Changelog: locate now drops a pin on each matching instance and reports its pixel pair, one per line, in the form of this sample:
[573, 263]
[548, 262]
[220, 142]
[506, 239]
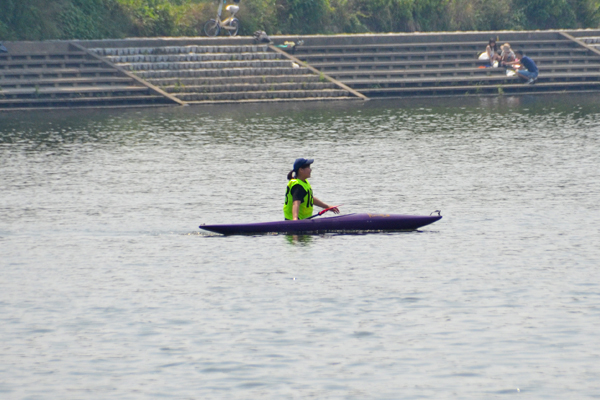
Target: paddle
[324, 211]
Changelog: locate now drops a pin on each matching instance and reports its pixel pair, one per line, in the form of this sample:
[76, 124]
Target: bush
[23, 20]
[587, 13]
[93, 19]
[546, 14]
[258, 16]
[482, 15]
[302, 16]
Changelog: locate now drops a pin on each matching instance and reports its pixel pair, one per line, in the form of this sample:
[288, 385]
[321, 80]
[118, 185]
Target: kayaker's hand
[335, 210]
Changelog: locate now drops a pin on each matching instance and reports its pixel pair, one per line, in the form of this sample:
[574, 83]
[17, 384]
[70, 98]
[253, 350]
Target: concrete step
[569, 77]
[590, 39]
[73, 91]
[26, 73]
[416, 72]
[477, 46]
[452, 72]
[342, 66]
[193, 49]
[482, 89]
[273, 100]
[235, 80]
[73, 55]
[177, 58]
[80, 101]
[366, 86]
[429, 55]
[53, 82]
[83, 63]
[274, 94]
[250, 87]
[220, 72]
[206, 65]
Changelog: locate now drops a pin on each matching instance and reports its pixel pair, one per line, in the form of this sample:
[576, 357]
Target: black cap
[302, 162]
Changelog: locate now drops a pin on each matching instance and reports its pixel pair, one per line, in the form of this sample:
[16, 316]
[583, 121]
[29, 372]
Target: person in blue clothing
[530, 73]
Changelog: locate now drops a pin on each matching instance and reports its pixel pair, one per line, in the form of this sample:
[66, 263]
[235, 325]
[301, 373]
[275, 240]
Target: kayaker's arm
[295, 209]
[511, 63]
[319, 203]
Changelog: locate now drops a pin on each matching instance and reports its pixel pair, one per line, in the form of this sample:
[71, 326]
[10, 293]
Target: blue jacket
[529, 64]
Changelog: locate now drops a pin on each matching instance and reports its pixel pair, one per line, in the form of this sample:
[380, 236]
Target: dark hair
[290, 176]
[495, 46]
[519, 52]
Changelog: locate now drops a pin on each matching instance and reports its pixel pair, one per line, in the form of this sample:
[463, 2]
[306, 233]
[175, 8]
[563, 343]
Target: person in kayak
[299, 199]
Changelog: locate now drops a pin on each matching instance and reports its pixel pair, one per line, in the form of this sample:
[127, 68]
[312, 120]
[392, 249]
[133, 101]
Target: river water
[108, 289]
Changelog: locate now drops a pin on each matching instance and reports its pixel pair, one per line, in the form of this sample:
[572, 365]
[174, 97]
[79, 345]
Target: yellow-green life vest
[306, 206]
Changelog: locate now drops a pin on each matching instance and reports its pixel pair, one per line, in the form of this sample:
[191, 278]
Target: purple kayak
[341, 223]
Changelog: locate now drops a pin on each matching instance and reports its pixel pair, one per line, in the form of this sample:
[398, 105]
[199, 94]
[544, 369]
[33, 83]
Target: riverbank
[198, 70]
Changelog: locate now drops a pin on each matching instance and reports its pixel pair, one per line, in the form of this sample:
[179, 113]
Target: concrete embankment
[178, 71]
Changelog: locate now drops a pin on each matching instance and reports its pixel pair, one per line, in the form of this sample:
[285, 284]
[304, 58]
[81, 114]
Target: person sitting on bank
[507, 54]
[530, 73]
[299, 199]
[492, 52]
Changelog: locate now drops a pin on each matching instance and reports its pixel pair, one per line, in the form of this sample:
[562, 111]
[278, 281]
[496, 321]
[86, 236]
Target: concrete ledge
[249, 87]
[198, 73]
[229, 80]
[320, 40]
[275, 94]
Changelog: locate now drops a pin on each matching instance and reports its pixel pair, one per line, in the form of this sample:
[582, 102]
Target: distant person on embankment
[3, 49]
[530, 74]
[492, 51]
[507, 54]
[299, 198]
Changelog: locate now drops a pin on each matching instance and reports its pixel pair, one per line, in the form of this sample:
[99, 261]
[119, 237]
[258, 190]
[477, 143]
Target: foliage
[302, 16]
[23, 19]
[482, 15]
[62, 19]
[430, 15]
[587, 13]
[91, 19]
[547, 14]
[258, 16]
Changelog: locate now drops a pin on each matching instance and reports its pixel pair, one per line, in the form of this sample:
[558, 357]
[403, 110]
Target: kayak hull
[342, 223]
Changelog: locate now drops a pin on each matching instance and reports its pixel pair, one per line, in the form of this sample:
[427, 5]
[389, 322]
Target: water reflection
[301, 240]
[259, 125]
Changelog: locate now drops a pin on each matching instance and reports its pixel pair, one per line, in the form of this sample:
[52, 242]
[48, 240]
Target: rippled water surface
[108, 289]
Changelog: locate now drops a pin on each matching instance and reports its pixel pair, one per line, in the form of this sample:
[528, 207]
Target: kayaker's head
[301, 169]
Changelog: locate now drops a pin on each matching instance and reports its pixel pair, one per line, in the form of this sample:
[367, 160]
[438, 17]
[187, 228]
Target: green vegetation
[98, 19]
